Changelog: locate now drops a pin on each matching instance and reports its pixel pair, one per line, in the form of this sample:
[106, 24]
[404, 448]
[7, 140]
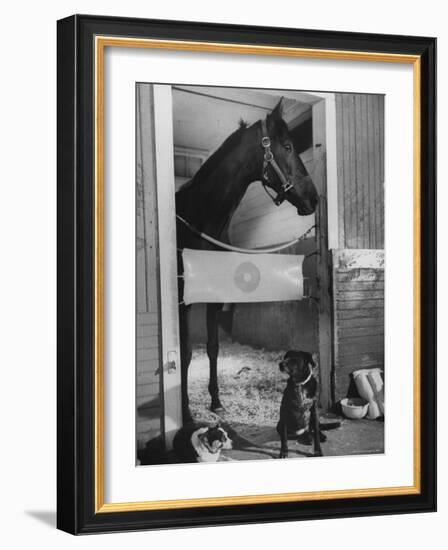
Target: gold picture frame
[101, 33]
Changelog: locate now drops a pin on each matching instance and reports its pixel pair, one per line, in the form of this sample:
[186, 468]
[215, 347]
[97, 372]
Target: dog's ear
[307, 358]
[202, 436]
[291, 354]
[314, 364]
[311, 359]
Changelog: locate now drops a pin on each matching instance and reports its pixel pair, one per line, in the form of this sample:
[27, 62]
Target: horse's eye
[288, 147]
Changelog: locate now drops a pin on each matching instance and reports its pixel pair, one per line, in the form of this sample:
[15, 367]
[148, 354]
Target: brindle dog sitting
[299, 414]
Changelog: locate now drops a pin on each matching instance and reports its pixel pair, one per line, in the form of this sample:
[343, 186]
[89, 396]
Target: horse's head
[284, 171]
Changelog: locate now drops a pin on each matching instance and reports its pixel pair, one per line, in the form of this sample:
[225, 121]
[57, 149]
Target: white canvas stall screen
[231, 277]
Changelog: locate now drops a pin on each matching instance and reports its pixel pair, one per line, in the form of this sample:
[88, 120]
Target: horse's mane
[216, 158]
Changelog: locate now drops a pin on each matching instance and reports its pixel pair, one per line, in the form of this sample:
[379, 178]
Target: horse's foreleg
[185, 359]
[212, 352]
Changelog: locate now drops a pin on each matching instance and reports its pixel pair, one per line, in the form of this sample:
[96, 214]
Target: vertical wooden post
[323, 258]
[169, 301]
[324, 304]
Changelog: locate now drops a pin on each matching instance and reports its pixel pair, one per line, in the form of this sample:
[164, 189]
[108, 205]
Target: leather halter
[268, 159]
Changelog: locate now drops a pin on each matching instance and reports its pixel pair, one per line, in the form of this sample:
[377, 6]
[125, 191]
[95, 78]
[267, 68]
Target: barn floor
[251, 387]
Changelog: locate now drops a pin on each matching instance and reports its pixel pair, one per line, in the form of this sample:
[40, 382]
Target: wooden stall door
[158, 410]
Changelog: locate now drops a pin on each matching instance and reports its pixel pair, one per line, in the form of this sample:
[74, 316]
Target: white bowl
[354, 407]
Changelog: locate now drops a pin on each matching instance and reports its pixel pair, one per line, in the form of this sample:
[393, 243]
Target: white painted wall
[27, 226]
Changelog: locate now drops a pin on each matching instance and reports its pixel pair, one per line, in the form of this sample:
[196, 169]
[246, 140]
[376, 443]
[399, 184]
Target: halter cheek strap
[268, 159]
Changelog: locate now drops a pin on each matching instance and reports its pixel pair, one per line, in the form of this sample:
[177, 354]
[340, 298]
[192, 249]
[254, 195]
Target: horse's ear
[277, 112]
[275, 116]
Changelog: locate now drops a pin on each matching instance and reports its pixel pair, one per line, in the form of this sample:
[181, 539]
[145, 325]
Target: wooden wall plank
[358, 323]
[148, 387]
[350, 141]
[360, 174]
[357, 304]
[144, 331]
[146, 426]
[148, 342]
[344, 294]
[147, 377]
[346, 365]
[148, 365]
[149, 318]
[381, 153]
[145, 355]
[362, 317]
[342, 153]
[352, 275]
[355, 331]
[374, 172]
[360, 148]
[141, 295]
[360, 345]
[360, 285]
[148, 165]
[371, 172]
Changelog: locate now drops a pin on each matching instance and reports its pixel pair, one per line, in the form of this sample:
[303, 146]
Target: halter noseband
[268, 158]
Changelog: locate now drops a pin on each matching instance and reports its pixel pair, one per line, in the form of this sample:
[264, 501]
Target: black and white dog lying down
[194, 443]
[299, 409]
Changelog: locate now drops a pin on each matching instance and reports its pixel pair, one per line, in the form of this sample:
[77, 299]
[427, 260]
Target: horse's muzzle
[304, 210]
[308, 206]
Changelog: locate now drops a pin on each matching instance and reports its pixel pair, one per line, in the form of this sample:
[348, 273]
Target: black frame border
[75, 265]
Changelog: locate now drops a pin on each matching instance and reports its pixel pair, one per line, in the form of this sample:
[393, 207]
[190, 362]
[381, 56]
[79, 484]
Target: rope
[244, 250]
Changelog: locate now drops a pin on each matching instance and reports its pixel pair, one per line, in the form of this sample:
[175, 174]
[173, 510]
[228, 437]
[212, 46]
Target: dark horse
[264, 151]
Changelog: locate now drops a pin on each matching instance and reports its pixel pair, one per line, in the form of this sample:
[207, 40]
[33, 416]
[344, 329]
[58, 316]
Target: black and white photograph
[277, 319]
[219, 278]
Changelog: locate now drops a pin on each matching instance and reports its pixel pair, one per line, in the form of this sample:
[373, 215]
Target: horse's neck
[210, 203]
[210, 206]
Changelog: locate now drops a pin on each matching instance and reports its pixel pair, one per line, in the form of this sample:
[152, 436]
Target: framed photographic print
[246, 274]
